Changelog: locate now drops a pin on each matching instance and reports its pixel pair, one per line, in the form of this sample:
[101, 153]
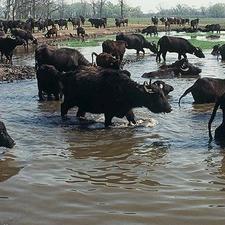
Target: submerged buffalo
[111, 92]
[219, 50]
[220, 131]
[179, 45]
[64, 59]
[179, 68]
[5, 139]
[206, 90]
[137, 42]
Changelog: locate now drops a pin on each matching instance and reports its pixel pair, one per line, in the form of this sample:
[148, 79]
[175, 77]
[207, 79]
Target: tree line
[181, 10]
[55, 9]
[23, 9]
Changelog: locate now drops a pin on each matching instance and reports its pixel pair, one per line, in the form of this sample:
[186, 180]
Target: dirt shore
[9, 73]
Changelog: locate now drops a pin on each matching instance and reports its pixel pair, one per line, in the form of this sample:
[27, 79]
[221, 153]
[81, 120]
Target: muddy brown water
[161, 171]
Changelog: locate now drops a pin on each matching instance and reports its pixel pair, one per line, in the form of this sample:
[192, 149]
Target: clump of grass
[87, 43]
[205, 44]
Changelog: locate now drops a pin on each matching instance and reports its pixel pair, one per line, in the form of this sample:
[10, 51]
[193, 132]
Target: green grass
[97, 41]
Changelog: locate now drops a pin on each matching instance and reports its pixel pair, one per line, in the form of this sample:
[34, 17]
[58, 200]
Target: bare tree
[94, 5]
[101, 5]
[121, 2]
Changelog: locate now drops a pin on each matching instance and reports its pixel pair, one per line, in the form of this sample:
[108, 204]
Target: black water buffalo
[206, 90]
[62, 23]
[97, 23]
[64, 59]
[75, 22]
[155, 20]
[110, 92]
[7, 45]
[48, 82]
[115, 48]
[82, 19]
[213, 27]
[166, 88]
[119, 21]
[220, 131]
[51, 32]
[106, 60]
[177, 69]
[137, 42]
[150, 30]
[25, 35]
[219, 50]
[80, 31]
[194, 23]
[5, 139]
[179, 45]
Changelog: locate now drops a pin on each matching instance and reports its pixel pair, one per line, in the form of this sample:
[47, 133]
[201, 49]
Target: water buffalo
[51, 32]
[179, 45]
[194, 23]
[219, 50]
[5, 139]
[7, 45]
[166, 88]
[97, 23]
[75, 22]
[179, 68]
[62, 23]
[206, 90]
[119, 21]
[64, 59]
[110, 92]
[82, 19]
[220, 131]
[48, 82]
[106, 60]
[80, 31]
[150, 30]
[155, 20]
[25, 35]
[137, 42]
[115, 48]
[213, 27]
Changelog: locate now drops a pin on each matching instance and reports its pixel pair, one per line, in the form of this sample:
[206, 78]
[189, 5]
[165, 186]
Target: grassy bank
[204, 44]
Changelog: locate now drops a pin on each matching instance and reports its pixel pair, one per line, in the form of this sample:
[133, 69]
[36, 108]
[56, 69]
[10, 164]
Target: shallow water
[80, 173]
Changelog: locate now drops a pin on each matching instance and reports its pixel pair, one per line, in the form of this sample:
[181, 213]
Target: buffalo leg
[130, 117]
[80, 113]
[40, 95]
[158, 56]
[56, 95]
[64, 109]
[164, 56]
[108, 119]
[143, 51]
[179, 56]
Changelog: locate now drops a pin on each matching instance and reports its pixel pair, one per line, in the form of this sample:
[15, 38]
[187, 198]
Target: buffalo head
[155, 99]
[5, 139]
[152, 46]
[215, 50]
[166, 88]
[198, 52]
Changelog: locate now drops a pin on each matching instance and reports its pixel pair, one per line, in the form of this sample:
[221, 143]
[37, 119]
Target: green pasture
[97, 41]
